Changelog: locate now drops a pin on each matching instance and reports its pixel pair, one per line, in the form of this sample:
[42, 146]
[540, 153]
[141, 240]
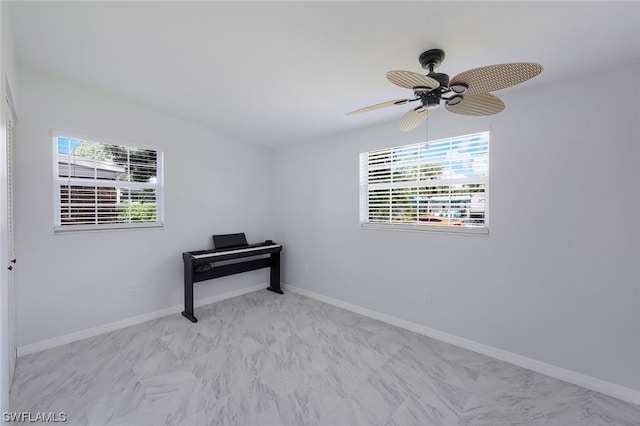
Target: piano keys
[231, 255]
[207, 256]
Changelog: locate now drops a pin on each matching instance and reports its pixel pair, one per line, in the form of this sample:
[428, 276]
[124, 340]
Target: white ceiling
[283, 72]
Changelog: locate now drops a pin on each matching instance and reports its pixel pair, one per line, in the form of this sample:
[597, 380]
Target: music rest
[229, 240]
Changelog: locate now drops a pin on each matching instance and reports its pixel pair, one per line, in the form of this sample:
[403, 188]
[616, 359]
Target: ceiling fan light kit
[454, 100]
[467, 93]
[458, 87]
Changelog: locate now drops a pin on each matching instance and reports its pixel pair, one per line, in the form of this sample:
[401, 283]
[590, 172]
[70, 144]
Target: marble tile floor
[266, 359]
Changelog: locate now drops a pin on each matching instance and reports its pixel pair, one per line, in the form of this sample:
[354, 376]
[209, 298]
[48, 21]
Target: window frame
[59, 181]
[410, 227]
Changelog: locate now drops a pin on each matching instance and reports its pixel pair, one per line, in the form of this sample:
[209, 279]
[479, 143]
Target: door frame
[10, 117]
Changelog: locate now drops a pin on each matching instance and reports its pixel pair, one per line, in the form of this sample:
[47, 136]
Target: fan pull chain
[427, 124]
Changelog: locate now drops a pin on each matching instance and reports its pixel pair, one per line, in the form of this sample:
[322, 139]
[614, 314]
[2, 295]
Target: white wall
[557, 278]
[71, 282]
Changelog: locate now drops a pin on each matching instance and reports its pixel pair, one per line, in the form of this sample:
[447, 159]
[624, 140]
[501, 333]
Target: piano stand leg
[189, 316]
[274, 275]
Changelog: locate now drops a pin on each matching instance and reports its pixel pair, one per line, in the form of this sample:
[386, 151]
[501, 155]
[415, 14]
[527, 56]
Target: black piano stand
[274, 275]
[191, 276]
[189, 316]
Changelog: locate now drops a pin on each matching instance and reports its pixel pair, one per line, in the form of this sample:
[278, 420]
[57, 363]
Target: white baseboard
[106, 328]
[598, 385]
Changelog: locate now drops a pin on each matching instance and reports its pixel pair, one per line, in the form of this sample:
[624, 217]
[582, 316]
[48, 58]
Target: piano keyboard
[227, 252]
[232, 256]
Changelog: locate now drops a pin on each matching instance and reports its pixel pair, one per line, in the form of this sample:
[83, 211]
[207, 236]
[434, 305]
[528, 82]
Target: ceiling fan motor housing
[442, 78]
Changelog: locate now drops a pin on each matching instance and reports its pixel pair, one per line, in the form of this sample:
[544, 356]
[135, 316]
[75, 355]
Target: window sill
[70, 229]
[459, 230]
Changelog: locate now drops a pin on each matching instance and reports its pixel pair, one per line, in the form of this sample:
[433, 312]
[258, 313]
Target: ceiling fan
[467, 93]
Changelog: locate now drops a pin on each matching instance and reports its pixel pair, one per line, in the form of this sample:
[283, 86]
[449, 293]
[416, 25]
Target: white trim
[9, 97]
[106, 328]
[160, 183]
[589, 382]
[70, 229]
[460, 230]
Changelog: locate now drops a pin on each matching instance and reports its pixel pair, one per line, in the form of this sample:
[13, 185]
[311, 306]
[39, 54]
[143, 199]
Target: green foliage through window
[136, 212]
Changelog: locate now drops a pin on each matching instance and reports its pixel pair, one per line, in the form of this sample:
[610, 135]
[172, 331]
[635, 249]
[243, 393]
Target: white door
[11, 244]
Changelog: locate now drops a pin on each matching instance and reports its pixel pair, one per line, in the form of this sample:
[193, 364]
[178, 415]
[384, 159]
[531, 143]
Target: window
[105, 185]
[441, 185]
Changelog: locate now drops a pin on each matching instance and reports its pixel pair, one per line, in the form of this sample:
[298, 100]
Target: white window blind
[441, 185]
[105, 185]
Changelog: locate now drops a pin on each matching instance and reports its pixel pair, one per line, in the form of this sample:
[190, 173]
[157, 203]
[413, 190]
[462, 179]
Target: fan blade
[479, 104]
[413, 118]
[409, 80]
[380, 105]
[496, 77]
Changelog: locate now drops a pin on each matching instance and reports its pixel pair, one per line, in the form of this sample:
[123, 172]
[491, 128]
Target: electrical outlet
[427, 297]
[133, 289]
